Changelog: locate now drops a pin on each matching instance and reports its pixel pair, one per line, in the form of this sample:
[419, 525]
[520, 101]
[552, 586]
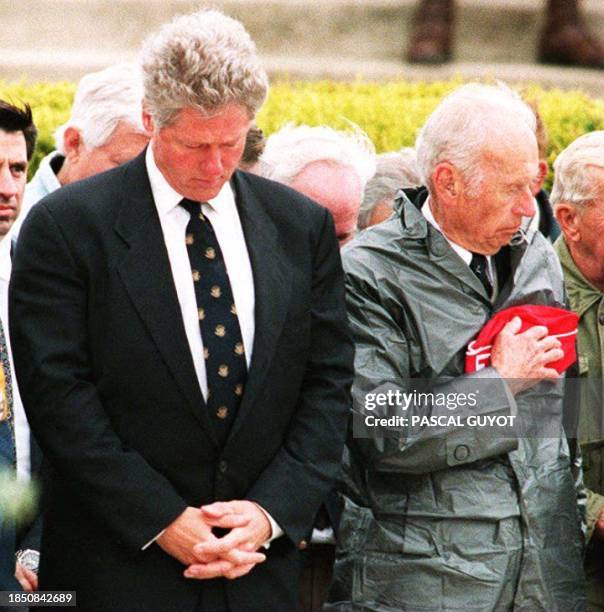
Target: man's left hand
[250, 537]
[27, 579]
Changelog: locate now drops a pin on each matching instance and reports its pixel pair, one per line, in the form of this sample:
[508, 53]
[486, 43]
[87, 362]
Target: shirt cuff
[276, 531]
[153, 540]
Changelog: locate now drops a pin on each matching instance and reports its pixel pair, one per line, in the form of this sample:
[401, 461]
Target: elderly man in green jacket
[578, 195]
[443, 514]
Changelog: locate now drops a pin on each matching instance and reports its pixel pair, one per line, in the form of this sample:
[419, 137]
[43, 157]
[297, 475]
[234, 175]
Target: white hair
[467, 120]
[205, 60]
[394, 171]
[101, 101]
[576, 171]
[291, 149]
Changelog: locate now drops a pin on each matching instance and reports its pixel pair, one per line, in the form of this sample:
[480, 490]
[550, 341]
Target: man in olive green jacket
[578, 195]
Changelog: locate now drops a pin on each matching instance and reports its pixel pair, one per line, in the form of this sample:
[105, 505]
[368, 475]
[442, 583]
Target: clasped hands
[190, 539]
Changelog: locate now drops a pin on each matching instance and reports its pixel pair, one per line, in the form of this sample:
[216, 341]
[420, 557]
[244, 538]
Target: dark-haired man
[17, 142]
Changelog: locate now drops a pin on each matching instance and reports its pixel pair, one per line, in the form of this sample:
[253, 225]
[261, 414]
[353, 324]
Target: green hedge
[50, 103]
[390, 113]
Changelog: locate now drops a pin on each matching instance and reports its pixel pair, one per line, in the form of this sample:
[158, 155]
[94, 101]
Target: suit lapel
[272, 288]
[146, 273]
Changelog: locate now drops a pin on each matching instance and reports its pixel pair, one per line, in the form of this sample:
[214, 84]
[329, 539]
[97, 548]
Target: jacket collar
[581, 293]
[408, 204]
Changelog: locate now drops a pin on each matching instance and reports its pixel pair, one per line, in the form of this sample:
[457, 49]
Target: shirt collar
[167, 199]
[5, 259]
[463, 253]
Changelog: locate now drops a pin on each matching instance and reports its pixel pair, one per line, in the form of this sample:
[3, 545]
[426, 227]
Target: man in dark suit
[181, 342]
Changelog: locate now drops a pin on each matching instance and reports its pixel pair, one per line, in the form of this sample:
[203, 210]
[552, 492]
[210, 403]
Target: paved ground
[55, 39]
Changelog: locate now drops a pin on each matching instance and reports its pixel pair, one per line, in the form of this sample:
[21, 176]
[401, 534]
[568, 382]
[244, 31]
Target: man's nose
[8, 185]
[212, 161]
[525, 205]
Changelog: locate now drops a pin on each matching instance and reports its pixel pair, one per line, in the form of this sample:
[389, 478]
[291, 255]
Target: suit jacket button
[223, 466]
[303, 545]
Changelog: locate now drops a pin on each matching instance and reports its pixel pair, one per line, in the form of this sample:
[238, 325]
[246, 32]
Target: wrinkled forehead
[517, 156]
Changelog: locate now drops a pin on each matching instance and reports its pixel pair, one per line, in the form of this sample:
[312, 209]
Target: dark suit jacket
[110, 390]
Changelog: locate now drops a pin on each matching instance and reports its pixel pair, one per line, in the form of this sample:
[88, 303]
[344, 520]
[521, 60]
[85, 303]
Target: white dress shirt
[223, 215]
[19, 419]
[465, 255]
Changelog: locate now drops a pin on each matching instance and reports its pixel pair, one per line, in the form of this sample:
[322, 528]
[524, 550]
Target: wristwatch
[29, 558]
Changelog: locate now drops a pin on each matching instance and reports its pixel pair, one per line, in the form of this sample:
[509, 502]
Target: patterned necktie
[224, 353]
[478, 265]
[7, 429]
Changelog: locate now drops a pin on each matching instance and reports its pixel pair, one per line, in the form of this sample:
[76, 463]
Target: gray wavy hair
[204, 60]
[468, 119]
[579, 171]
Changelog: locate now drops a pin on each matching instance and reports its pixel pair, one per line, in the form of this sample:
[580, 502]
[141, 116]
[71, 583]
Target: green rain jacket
[451, 519]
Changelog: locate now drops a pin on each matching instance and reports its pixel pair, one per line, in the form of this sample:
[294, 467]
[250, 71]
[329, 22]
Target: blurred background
[300, 39]
[331, 62]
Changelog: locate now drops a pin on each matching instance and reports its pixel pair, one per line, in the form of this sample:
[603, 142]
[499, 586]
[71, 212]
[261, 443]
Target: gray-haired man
[327, 165]
[459, 517]
[578, 198]
[104, 130]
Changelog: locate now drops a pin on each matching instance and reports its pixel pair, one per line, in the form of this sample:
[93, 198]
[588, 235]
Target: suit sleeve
[33, 536]
[49, 332]
[310, 457]
[382, 364]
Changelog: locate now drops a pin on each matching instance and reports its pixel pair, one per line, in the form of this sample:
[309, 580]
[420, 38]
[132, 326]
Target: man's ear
[446, 182]
[538, 183]
[569, 220]
[148, 123]
[72, 144]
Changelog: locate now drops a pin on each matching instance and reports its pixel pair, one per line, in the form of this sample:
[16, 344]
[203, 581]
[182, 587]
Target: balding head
[478, 156]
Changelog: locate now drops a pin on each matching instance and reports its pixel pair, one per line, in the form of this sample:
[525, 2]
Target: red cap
[560, 323]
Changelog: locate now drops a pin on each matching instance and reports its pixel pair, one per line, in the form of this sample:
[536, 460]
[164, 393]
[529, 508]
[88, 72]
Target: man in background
[18, 452]
[394, 171]
[329, 166]
[332, 168]
[104, 130]
[254, 147]
[578, 198]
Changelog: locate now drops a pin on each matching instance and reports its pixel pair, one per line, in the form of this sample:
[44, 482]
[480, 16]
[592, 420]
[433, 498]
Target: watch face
[30, 559]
